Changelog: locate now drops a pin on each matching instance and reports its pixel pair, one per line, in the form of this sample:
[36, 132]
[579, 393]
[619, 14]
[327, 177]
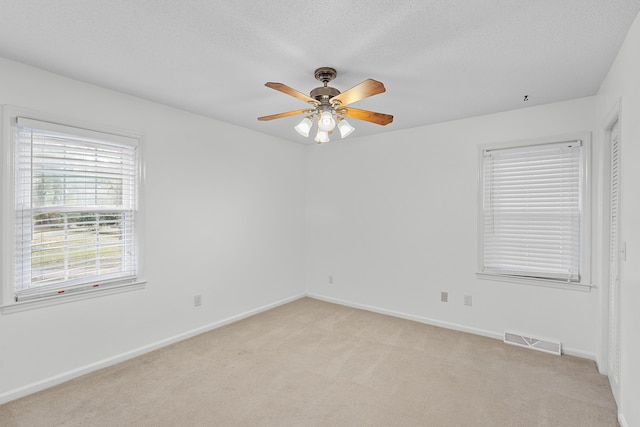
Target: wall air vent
[533, 343]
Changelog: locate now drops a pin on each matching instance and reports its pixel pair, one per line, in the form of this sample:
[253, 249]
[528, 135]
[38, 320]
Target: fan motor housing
[324, 93]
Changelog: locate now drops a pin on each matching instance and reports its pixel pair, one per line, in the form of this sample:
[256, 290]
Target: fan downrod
[324, 93]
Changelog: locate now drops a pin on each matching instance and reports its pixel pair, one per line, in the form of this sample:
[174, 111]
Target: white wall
[391, 217]
[394, 217]
[224, 219]
[623, 85]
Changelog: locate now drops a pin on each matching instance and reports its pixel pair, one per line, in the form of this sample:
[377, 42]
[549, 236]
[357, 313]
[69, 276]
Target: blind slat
[75, 208]
[531, 211]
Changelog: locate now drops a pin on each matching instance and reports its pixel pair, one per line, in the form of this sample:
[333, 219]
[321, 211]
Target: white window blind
[75, 200]
[532, 211]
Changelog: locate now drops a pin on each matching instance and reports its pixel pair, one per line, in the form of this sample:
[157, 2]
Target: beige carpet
[311, 363]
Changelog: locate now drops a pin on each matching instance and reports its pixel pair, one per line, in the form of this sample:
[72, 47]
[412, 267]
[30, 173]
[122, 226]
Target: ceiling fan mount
[329, 107]
[325, 74]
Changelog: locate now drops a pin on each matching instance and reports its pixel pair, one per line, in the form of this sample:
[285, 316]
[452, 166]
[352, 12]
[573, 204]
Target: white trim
[401, 315]
[92, 134]
[26, 305]
[547, 283]
[74, 373]
[447, 325]
[10, 113]
[615, 246]
[614, 115]
[585, 283]
[69, 122]
[122, 357]
[6, 208]
[622, 420]
[579, 353]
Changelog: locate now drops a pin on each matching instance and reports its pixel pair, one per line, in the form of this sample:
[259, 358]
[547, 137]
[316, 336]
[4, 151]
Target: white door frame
[611, 256]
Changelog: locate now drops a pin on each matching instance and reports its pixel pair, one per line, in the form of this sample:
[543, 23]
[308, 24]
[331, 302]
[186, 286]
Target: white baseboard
[434, 322]
[69, 375]
[621, 420]
[420, 319]
[581, 354]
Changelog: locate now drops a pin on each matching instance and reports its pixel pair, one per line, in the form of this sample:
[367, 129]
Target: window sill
[548, 283]
[17, 307]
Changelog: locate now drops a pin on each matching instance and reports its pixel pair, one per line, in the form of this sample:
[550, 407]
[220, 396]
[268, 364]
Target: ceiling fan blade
[287, 114]
[368, 116]
[292, 92]
[360, 91]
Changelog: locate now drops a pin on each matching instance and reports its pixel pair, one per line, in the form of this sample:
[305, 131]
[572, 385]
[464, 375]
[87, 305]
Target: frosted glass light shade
[326, 122]
[304, 127]
[345, 128]
[322, 137]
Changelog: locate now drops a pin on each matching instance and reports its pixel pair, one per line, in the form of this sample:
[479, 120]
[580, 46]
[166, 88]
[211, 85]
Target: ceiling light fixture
[328, 107]
[326, 122]
[325, 116]
[322, 136]
[345, 128]
[304, 127]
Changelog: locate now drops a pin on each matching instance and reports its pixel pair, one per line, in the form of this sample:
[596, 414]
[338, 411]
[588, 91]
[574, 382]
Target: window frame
[8, 303]
[584, 284]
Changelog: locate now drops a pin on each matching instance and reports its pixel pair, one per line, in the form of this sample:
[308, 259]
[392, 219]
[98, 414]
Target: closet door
[614, 261]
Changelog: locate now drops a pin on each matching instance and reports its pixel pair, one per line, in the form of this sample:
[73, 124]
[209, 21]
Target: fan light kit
[329, 107]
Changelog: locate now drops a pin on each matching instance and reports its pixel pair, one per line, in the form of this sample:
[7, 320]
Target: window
[533, 212]
[75, 210]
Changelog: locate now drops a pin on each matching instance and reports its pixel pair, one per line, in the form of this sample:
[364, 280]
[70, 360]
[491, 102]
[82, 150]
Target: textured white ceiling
[440, 60]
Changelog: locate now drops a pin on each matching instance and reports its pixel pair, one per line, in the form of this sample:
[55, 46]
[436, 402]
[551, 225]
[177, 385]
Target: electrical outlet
[444, 296]
[468, 301]
[331, 279]
[197, 300]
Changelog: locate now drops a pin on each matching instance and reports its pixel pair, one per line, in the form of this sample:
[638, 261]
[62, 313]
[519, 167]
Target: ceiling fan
[329, 107]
